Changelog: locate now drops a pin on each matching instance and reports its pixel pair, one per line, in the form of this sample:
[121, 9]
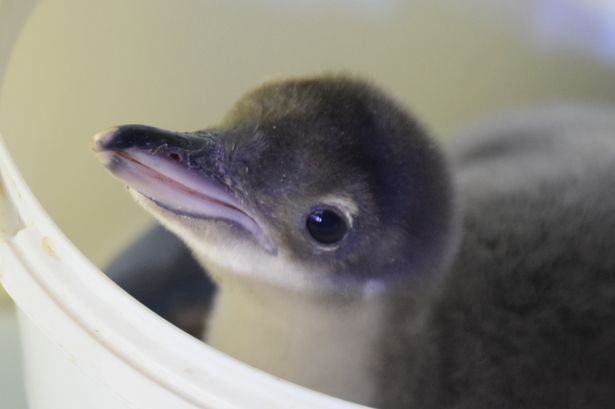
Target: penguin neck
[323, 342]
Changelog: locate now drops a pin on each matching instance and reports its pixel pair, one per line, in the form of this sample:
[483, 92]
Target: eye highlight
[326, 226]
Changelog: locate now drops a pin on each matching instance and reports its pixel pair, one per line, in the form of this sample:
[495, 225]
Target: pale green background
[83, 66]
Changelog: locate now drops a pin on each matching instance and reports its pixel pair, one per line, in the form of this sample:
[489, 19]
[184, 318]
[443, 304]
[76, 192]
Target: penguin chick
[310, 205]
[526, 317]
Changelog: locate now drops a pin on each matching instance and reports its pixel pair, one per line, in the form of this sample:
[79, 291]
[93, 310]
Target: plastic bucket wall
[88, 344]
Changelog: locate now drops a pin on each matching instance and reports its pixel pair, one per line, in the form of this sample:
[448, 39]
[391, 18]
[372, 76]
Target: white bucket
[87, 343]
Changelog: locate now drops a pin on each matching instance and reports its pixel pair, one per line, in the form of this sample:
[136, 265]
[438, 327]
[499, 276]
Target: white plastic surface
[88, 344]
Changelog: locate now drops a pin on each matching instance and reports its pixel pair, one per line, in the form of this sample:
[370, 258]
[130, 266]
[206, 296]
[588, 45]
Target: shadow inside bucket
[160, 272]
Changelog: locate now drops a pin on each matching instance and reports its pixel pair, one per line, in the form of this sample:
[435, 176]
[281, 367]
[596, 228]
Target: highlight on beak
[101, 139]
[150, 161]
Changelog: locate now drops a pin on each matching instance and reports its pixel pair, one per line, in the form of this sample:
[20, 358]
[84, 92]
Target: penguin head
[321, 184]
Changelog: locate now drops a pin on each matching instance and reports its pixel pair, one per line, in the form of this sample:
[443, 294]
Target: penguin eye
[326, 226]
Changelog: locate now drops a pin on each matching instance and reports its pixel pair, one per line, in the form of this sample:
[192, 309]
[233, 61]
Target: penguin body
[309, 205]
[330, 224]
[526, 316]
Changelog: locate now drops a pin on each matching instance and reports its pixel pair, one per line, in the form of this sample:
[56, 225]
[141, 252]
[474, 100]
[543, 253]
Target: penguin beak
[177, 171]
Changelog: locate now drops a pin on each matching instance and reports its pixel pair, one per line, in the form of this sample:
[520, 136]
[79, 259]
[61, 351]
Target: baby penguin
[329, 221]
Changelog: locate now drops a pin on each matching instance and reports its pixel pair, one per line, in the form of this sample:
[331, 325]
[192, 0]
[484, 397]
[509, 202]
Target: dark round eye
[326, 226]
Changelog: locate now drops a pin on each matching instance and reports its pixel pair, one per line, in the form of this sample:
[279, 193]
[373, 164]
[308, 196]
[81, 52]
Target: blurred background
[81, 67]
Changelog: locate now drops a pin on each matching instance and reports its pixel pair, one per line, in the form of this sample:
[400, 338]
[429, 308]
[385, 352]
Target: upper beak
[179, 171]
